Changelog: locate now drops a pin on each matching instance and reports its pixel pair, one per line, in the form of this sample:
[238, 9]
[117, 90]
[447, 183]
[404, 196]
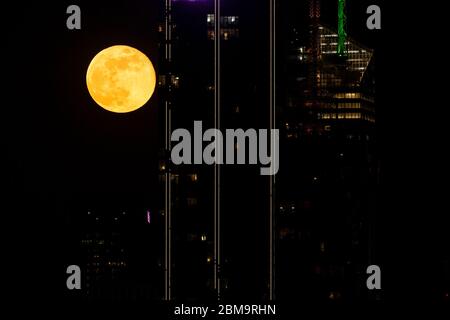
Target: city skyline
[105, 192]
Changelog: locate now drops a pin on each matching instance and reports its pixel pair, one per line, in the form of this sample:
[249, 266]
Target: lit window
[203, 237]
[175, 81]
[210, 19]
[162, 80]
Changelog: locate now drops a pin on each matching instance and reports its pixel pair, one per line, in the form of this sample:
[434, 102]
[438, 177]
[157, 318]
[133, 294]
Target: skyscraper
[217, 243]
[329, 169]
[188, 91]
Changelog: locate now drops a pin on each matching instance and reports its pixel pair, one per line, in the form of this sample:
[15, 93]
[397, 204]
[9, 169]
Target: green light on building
[342, 34]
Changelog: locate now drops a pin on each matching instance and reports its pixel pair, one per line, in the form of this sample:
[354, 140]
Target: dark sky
[64, 142]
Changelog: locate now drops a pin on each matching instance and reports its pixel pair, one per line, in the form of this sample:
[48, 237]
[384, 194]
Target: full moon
[121, 79]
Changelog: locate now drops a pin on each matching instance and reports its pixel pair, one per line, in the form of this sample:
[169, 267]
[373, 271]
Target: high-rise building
[110, 246]
[346, 85]
[187, 93]
[217, 225]
[329, 170]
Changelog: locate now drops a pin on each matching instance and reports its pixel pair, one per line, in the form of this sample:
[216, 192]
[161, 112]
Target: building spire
[342, 34]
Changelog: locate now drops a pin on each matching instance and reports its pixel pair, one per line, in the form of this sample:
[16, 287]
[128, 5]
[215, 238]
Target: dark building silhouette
[110, 253]
[325, 198]
[204, 266]
[329, 169]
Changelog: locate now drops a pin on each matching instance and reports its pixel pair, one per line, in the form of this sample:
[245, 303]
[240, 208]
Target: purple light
[149, 220]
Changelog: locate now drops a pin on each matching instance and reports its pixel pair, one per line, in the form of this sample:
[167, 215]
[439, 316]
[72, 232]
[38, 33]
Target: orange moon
[121, 79]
